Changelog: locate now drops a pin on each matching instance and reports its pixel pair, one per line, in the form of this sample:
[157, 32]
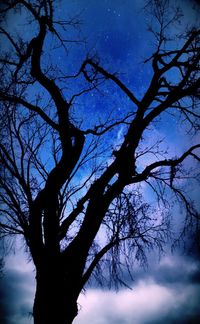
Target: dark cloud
[16, 297]
[177, 270]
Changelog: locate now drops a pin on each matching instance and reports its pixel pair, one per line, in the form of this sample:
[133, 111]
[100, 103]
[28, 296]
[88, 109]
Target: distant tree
[70, 186]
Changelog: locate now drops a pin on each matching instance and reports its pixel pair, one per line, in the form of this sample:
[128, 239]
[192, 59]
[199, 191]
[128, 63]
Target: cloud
[169, 272]
[16, 298]
[148, 302]
[16, 291]
[168, 292]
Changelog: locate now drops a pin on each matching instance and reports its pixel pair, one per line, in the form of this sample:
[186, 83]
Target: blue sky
[167, 291]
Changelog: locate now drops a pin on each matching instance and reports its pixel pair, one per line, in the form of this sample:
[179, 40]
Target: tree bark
[55, 301]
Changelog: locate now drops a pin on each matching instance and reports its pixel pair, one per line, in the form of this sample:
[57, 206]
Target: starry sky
[168, 290]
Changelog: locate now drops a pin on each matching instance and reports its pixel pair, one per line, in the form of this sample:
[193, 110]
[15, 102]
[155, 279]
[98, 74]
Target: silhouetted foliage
[71, 186]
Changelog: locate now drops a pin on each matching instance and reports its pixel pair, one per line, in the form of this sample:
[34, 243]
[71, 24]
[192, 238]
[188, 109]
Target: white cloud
[146, 303]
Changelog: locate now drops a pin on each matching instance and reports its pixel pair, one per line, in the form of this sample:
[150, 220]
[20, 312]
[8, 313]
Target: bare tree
[76, 194]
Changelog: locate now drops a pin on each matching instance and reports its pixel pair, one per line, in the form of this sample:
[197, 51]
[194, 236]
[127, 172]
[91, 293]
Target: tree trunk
[55, 301]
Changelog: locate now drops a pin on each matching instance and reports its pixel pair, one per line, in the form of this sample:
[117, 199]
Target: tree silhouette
[72, 188]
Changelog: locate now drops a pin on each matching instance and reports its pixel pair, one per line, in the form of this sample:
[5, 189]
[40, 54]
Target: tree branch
[110, 76]
[17, 100]
[171, 162]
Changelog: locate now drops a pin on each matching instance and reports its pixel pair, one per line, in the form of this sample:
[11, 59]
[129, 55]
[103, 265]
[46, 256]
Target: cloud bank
[169, 292]
[149, 302]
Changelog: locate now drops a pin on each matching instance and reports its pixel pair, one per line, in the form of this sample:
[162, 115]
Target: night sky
[168, 291]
